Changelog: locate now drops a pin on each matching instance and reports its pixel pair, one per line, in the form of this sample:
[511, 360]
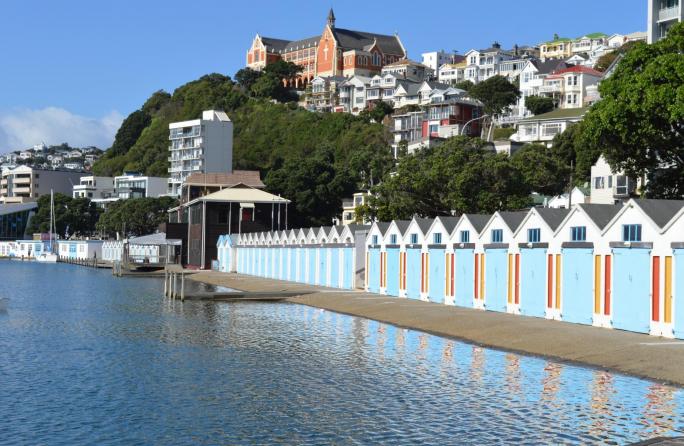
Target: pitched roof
[600, 214]
[578, 69]
[660, 211]
[402, 225]
[241, 194]
[553, 217]
[294, 45]
[405, 62]
[251, 178]
[513, 219]
[358, 40]
[449, 223]
[276, 44]
[424, 224]
[383, 226]
[549, 65]
[479, 221]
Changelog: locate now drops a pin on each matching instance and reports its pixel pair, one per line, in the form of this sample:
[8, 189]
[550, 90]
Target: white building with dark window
[94, 187]
[608, 187]
[543, 128]
[662, 14]
[199, 146]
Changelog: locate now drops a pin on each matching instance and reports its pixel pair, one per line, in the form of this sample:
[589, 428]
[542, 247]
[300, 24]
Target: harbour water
[86, 358]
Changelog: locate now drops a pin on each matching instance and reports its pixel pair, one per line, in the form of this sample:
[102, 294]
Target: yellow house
[558, 48]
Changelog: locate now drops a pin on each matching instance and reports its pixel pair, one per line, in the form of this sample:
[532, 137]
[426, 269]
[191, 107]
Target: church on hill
[336, 52]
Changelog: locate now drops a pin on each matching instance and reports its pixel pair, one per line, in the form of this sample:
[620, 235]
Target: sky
[72, 70]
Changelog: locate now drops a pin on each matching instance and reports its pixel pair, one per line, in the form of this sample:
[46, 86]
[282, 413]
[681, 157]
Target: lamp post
[465, 126]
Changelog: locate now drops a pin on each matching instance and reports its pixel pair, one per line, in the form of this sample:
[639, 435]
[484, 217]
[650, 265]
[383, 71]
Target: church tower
[331, 19]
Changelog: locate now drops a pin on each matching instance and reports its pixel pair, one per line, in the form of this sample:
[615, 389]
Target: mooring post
[166, 282]
[173, 293]
[182, 287]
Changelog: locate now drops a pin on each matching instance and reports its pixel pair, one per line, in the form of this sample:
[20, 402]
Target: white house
[568, 86]
[435, 59]
[565, 201]
[352, 94]
[608, 187]
[543, 128]
[532, 78]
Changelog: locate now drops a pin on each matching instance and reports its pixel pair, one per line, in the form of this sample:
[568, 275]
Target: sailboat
[50, 256]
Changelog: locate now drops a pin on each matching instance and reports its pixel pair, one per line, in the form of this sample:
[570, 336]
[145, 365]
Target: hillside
[313, 159]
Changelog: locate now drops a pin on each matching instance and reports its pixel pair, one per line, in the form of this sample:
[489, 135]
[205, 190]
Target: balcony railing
[550, 89]
[668, 13]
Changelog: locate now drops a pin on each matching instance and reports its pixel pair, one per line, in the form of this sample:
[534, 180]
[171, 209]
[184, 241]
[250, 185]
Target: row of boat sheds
[614, 266]
[153, 249]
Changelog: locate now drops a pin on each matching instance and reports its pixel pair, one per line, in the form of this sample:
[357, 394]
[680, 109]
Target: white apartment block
[133, 185]
[25, 184]
[435, 59]
[94, 187]
[662, 14]
[199, 146]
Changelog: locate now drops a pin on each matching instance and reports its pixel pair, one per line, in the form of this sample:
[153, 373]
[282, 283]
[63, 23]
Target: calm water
[89, 359]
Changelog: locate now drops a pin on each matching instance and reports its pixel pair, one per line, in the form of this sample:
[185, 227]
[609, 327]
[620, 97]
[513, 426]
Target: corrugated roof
[513, 219]
[549, 65]
[309, 42]
[660, 211]
[242, 194]
[276, 44]
[565, 113]
[153, 239]
[600, 214]
[553, 217]
[251, 178]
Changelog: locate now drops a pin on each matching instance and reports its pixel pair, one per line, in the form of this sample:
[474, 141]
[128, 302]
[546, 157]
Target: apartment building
[558, 48]
[25, 184]
[662, 14]
[451, 73]
[352, 94]
[135, 185]
[202, 145]
[445, 112]
[94, 187]
[410, 70]
[483, 64]
[435, 59]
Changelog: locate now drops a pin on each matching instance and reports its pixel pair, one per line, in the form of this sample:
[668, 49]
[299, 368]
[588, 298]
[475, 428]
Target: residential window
[393, 239]
[465, 236]
[497, 235]
[437, 238]
[375, 239]
[631, 233]
[599, 182]
[610, 182]
[414, 239]
[533, 235]
[551, 129]
[578, 233]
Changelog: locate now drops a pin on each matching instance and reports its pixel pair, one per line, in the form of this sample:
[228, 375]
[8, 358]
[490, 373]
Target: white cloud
[24, 128]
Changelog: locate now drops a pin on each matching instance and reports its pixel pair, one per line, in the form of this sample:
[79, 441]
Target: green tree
[135, 216]
[283, 70]
[246, 77]
[572, 149]
[542, 169]
[605, 61]
[464, 85]
[539, 104]
[378, 112]
[73, 216]
[460, 175]
[639, 123]
[314, 185]
[496, 93]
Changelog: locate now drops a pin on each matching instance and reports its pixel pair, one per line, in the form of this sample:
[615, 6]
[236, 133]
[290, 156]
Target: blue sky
[73, 69]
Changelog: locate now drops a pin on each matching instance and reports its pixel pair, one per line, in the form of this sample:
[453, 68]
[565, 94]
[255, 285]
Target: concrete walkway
[630, 353]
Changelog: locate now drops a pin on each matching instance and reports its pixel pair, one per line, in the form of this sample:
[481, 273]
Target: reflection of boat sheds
[615, 266]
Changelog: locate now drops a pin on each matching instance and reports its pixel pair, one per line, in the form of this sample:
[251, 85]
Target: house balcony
[21, 190]
[668, 14]
[550, 89]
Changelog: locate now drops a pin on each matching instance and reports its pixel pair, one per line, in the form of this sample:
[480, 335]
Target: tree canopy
[135, 216]
[73, 216]
[639, 123]
[539, 104]
[461, 175]
[496, 93]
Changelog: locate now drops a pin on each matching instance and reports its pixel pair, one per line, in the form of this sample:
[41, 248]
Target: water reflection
[108, 361]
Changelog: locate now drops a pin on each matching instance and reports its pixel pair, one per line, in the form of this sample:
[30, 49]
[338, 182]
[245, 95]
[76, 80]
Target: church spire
[331, 18]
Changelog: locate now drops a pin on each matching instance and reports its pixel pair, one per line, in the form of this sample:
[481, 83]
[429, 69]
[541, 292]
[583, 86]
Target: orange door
[668, 291]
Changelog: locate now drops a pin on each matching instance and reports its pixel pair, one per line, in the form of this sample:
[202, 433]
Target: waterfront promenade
[625, 352]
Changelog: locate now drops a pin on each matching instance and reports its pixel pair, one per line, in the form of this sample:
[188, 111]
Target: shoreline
[632, 354]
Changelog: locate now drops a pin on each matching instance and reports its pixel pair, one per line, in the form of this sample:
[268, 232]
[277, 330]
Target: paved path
[631, 353]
